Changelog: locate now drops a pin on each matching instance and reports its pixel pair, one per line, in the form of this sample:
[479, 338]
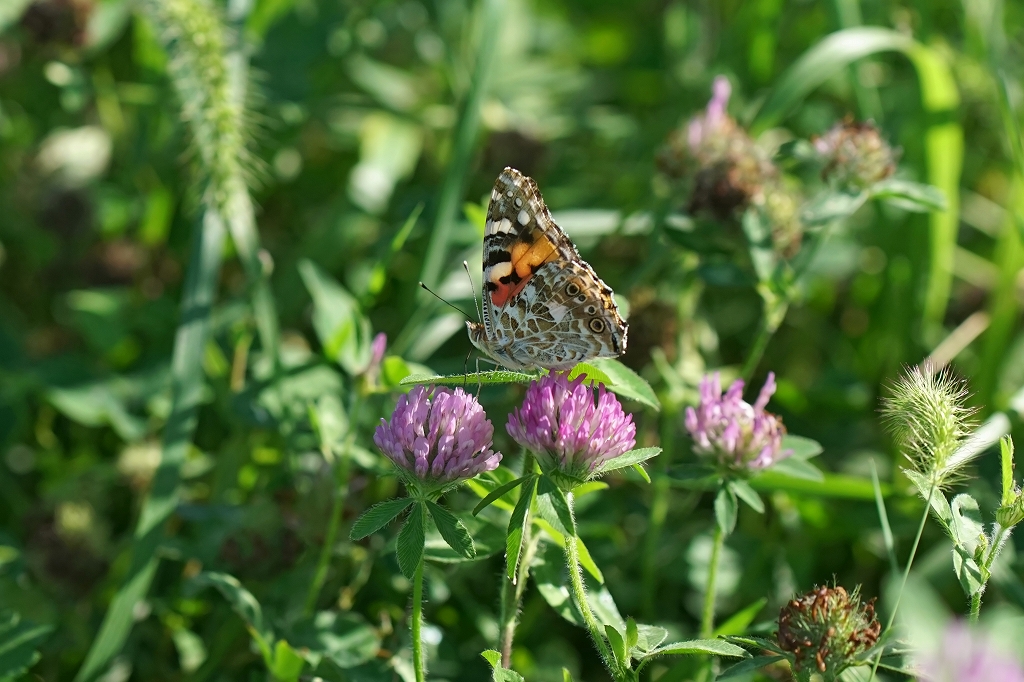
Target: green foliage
[211, 209]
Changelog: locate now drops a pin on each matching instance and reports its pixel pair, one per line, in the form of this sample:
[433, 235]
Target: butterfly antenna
[447, 303]
[477, 305]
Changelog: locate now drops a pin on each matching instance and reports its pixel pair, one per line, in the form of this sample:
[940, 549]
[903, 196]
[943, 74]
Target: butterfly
[542, 305]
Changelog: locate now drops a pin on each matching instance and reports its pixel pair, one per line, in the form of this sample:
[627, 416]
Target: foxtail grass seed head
[827, 630]
[437, 437]
[738, 435]
[855, 154]
[571, 434]
[213, 90]
[966, 655]
[930, 422]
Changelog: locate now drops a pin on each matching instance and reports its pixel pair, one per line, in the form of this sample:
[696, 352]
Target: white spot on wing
[557, 311]
[496, 272]
[519, 202]
[504, 226]
[523, 217]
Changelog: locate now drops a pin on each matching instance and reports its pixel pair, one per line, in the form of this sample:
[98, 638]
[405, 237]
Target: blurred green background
[374, 131]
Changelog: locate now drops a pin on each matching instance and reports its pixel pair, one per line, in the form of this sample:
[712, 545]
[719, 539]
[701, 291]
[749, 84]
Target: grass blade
[187, 388]
[883, 519]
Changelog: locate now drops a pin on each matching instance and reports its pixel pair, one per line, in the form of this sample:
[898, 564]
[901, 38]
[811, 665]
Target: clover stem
[707, 621]
[417, 622]
[579, 593]
[975, 607]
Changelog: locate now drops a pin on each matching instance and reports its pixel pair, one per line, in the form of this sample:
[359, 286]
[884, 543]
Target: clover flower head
[855, 154]
[560, 422]
[827, 630]
[739, 435]
[967, 656]
[714, 118]
[437, 436]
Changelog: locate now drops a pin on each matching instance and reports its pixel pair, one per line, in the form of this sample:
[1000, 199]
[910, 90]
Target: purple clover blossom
[714, 115]
[569, 433]
[737, 433]
[438, 436]
[966, 656]
[378, 347]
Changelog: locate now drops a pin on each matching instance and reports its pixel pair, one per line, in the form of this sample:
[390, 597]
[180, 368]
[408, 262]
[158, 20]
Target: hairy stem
[975, 607]
[417, 623]
[579, 593]
[906, 575]
[707, 621]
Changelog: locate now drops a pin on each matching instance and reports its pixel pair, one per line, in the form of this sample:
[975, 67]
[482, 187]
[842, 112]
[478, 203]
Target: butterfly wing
[543, 305]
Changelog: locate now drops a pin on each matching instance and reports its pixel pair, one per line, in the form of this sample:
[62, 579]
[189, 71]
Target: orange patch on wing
[526, 258]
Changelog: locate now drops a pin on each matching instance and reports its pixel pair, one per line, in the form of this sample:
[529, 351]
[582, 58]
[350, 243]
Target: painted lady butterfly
[543, 305]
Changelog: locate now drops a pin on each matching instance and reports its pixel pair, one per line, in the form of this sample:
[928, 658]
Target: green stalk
[707, 621]
[417, 623]
[658, 512]
[187, 390]
[492, 13]
[975, 607]
[209, 75]
[337, 506]
[579, 593]
[906, 575]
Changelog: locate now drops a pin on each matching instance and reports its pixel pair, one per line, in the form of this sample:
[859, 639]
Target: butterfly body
[543, 306]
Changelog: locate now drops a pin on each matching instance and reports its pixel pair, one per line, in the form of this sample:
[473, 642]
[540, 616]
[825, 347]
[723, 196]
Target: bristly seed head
[930, 422]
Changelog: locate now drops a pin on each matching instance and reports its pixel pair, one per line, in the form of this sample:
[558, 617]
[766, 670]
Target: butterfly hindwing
[543, 305]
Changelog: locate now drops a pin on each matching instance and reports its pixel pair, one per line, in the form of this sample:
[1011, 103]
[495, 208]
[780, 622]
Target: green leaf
[594, 375]
[240, 599]
[831, 485]
[632, 633]
[488, 539]
[566, 675]
[739, 621]
[798, 468]
[831, 206]
[492, 657]
[627, 459]
[742, 490]
[378, 516]
[748, 666]
[516, 528]
[714, 647]
[627, 383]
[346, 639]
[411, 540]
[642, 472]
[498, 492]
[550, 494]
[726, 509]
[759, 236]
[506, 675]
[473, 379]
[618, 644]
[1006, 458]
[802, 448]
[287, 664]
[830, 56]
[19, 641]
[343, 331]
[649, 637]
[967, 526]
[910, 196]
[452, 530]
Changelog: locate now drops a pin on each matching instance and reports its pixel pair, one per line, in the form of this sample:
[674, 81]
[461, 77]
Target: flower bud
[855, 154]
[827, 630]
